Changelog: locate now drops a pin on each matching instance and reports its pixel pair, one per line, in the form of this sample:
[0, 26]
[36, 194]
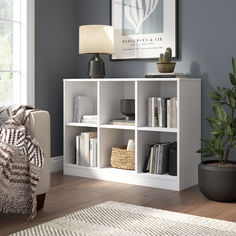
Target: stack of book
[122, 122]
[86, 149]
[90, 119]
[162, 112]
[157, 157]
[165, 75]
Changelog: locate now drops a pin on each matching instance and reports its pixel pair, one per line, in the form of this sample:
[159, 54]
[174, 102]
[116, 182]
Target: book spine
[72, 152]
[159, 159]
[168, 113]
[147, 160]
[77, 144]
[151, 160]
[171, 113]
[95, 153]
[155, 112]
[82, 150]
[76, 109]
[160, 112]
[175, 113]
[150, 112]
[91, 153]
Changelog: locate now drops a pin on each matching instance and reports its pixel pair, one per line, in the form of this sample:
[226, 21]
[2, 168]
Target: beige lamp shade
[96, 39]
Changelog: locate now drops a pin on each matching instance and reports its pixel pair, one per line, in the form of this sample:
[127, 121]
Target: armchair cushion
[40, 129]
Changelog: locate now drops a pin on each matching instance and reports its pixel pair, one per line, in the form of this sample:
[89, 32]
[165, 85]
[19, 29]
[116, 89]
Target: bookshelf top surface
[128, 79]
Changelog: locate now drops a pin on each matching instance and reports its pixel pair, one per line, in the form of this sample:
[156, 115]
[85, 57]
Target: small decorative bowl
[164, 67]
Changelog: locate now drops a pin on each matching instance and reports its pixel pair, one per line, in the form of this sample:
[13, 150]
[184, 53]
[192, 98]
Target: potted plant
[217, 179]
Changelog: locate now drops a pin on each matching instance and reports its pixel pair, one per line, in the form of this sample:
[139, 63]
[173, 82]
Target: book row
[161, 158]
[85, 149]
[162, 112]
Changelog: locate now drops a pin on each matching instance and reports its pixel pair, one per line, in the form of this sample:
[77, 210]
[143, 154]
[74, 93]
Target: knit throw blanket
[21, 159]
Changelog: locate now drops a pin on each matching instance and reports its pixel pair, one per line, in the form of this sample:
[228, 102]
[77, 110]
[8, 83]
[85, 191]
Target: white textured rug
[113, 218]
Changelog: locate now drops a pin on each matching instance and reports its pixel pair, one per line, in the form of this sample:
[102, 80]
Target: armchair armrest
[40, 129]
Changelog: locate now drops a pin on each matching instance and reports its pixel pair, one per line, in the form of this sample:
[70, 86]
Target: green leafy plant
[223, 124]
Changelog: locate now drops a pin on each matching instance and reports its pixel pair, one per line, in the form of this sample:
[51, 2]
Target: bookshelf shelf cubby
[106, 94]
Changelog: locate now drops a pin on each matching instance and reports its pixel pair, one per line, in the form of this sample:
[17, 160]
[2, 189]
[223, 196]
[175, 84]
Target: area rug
[113, 218]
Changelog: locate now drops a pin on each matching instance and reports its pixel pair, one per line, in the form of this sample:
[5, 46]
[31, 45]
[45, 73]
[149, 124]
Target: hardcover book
[85, 147]
[165, 75]
[93, 152]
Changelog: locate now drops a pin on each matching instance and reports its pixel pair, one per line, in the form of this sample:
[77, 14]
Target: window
[16, 52]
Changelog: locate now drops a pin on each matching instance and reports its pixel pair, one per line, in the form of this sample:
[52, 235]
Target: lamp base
[96, 67]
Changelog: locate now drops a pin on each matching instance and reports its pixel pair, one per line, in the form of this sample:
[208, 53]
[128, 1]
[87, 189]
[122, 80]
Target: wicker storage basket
[122, 158]
[166, 67]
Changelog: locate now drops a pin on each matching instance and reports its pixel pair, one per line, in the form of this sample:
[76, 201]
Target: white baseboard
[56, 163]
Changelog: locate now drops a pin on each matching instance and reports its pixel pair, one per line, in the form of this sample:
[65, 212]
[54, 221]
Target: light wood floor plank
[69, 194]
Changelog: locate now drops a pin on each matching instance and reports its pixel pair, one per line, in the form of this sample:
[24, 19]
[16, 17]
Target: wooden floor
[69, 194]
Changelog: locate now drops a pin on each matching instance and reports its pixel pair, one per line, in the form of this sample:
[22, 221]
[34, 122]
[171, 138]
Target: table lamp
[96, 39]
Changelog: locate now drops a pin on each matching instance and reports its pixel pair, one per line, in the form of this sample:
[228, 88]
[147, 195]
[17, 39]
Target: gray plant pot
[217, 183]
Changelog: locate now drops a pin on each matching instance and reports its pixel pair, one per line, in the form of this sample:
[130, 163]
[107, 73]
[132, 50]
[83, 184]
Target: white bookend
[77, 148]
[83, 105]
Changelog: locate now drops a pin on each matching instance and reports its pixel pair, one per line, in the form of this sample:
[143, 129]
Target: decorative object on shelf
[96, 39]
[165, 65]
[143, 28]
[217, 178]
[127, 108]
[165, 75]
[122, 158]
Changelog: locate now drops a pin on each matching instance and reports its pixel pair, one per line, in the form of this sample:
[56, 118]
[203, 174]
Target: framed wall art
[143, 28]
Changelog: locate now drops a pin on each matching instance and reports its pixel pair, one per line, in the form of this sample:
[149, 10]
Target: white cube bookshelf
[107, 94]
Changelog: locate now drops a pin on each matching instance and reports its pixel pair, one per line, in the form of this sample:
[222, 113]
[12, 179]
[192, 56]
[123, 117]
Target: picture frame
[143, 28]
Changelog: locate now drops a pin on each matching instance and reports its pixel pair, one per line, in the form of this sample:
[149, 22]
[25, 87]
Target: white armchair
[40, 129]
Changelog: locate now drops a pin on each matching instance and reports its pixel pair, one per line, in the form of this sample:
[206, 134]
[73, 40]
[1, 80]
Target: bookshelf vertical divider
[106, 94]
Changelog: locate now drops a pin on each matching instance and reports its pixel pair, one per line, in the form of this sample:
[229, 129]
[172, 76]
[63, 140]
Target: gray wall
[55, 38]
[207, 39]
